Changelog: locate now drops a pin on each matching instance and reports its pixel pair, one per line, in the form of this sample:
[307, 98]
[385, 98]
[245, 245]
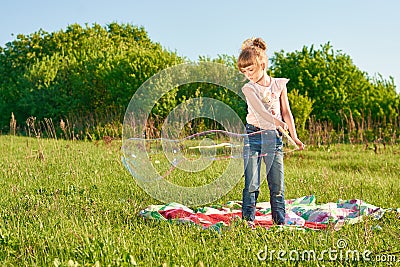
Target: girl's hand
[299, 143]
[281, 123]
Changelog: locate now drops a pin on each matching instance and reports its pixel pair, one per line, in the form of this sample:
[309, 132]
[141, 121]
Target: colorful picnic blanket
[302, 212]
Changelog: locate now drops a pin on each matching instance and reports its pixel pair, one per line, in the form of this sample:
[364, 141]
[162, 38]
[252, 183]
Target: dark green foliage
[80, 72]
[87, 76]
[337, 87]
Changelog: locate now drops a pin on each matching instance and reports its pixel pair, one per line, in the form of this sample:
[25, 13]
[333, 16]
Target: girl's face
[253, 73]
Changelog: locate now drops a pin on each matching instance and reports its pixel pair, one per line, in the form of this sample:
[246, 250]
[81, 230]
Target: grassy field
[70, 203]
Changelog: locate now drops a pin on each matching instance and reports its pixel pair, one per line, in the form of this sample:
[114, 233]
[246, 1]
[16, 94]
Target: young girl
[268, 108]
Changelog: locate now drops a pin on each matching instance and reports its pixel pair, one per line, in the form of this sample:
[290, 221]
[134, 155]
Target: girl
[268, 108]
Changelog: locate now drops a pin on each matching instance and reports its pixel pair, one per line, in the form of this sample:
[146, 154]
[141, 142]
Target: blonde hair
[253, 53]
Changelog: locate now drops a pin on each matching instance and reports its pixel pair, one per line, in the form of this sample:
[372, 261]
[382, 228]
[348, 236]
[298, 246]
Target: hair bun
[258, 42]
[254, 42]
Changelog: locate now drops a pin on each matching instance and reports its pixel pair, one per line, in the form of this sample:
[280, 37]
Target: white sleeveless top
[263, 103]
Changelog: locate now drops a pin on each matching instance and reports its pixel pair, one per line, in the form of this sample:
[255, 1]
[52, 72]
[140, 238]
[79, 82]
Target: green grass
[65, 203]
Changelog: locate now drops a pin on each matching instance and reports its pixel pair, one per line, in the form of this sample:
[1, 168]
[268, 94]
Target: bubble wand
[286, 134]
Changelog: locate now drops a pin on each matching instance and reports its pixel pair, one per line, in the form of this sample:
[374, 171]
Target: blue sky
[366, 30]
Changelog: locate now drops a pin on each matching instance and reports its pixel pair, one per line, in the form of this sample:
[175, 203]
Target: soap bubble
[175, 167]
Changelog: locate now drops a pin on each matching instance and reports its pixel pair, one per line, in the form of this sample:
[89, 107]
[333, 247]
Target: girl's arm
[288, 118]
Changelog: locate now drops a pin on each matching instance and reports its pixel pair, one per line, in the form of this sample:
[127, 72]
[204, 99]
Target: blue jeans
[267, 147]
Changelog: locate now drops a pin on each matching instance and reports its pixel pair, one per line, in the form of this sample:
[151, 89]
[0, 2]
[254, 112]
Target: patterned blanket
[300, 213]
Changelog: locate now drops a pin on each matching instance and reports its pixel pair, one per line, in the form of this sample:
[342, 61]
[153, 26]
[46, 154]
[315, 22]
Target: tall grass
[353, 131]
[72, 127]
[70, 203]
[91, 127]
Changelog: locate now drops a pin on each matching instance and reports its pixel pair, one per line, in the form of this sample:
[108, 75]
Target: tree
[335, 85]
[301, 107]
[82, 70]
